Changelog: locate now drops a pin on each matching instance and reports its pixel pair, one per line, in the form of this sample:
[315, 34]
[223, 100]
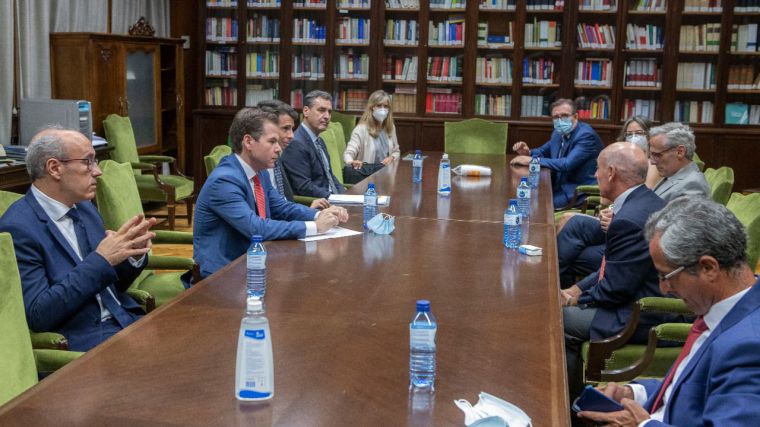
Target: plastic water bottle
[444, 176]
[370, 203]
[512, 234]
[256, 269]
[417, 167]
[422, 348]
[523, 198]
[254, 370]
[534, 171]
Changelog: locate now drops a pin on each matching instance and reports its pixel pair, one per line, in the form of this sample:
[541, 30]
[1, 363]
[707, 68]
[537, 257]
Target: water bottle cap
[513, 202]
[257, 238]
[524, 179]
[423, 305]
[254, 305]
[371, 185]
[418, 152]
[445, 156]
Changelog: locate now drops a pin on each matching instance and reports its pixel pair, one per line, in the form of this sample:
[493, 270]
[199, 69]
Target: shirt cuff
[137, 262]
[639, 393]
[311, 227]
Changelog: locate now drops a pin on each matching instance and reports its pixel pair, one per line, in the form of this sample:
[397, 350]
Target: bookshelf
[691, 60]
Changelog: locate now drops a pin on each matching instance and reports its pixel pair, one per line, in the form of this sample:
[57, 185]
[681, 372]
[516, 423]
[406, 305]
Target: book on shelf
[256, 93]
[400, 68]
[221, 61]
[221, 30]
[220, 93]
[445, 68]
[447, 4]
[535, 105]
[737, 113]
[493, 105]
[747, 6]
[595, 36]
[404, 98]
[694, 112]
[263, 64]
[352, 66]
[262, 3]
[401, 32]
[695, 75]
[308, 66]
[353, 30]
[493, 69]
[597, 5]
[744, 38]
[351, 99]
[497, 5]
[262, 28]
[699, 38]
[639, 107]
[402, 4]
[356, 4]
[443, 100]
[650, 5]
[538, 70]
[644, 37]
[642, 73]
[449, 32]
[546, 34]
[308, 31]
[596, 108]
[316, 4]
[221, 3]
[494, 41]
[702, 6]
[545, 5]
[743, 77]
[594, 72]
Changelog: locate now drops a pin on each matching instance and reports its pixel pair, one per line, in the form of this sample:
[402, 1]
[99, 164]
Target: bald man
[599, 306]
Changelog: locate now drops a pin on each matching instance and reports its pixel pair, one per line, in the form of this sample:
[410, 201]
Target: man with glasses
[599, 306]
[570, 153]
[671, 148]
[700, 249]
[73, 272]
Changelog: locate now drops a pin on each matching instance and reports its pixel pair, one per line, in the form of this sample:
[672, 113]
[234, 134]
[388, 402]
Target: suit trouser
[577, 331]
[580, 248]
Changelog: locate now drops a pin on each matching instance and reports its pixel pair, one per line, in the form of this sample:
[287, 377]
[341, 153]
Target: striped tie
[322, 149]
[278, 179]
[258, 192]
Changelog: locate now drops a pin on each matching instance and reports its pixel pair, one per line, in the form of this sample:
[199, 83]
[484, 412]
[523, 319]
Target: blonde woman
[373, 141]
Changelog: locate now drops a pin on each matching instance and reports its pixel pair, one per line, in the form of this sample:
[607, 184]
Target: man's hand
[320, 204]
[632, 415]
[388, 160]
[357, 164]
[340, 212]
[605, 217]
[521, 161]
[616, 392]
[521, 148]
[325, 221]
[570, 295]
[133, 239]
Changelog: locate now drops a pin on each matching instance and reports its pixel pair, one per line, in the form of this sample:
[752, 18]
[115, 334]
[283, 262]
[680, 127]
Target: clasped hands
[632, 414]
[570, 295]
[523, 157]
[133, 239]
[331, 217]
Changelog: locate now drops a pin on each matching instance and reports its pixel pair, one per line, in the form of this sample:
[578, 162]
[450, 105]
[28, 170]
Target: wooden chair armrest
[600, 350]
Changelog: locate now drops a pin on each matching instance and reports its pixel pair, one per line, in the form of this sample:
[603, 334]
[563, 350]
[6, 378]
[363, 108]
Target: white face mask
[380, 114]
[639, 140]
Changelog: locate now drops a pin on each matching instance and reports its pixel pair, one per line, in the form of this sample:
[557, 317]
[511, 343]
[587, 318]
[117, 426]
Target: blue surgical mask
[563, 126]
[382, 223]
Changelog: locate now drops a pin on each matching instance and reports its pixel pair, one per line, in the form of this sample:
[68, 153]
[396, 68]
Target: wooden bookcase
[522, 95]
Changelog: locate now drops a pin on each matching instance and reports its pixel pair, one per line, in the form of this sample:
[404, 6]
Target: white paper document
[332, 233]
[356, 199]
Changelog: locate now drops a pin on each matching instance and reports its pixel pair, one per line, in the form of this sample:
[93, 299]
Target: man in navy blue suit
[306, 160]
[570, 153]
[238, 200]
[73, 272]
[700, 251]
[599, 306]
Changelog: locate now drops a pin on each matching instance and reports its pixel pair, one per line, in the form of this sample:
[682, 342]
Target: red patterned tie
[697, 328]
[601, 269]
[258, 192]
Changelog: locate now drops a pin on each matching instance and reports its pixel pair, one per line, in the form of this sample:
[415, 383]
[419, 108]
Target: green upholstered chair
[747, 210]
[7, 199]
[211, 161]
[118, 201]
[347, 123]
[18, 361]
[721, 183]
[153, 186]
[612, 359]
[700, 164]
[333, 137]
[475, 136]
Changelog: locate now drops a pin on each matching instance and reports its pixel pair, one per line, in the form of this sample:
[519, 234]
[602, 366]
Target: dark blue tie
[108, 299]
[278, 178]
[322, 148]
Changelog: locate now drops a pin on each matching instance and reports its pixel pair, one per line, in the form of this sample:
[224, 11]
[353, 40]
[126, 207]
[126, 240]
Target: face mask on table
[382, 224]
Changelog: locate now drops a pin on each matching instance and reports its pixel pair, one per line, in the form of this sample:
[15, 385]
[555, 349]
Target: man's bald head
[629, 161]
[51, 142]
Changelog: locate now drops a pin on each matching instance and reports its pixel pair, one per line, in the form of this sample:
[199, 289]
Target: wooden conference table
[339, 312]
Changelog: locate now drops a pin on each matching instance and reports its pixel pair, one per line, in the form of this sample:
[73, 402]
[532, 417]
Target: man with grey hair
[599, 306]
[306, 159]
[699, 248]
[671, 148]
[73, 272]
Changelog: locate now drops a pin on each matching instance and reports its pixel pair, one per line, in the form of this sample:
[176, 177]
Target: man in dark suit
[699, 249]
[570, 153]
[580, 244]
[73, 272]
[306, 160]
[287, 119]
[238, 201]
[599, 306]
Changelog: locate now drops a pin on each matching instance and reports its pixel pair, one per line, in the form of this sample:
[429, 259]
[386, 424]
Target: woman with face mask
[636, 131]
[373, 141]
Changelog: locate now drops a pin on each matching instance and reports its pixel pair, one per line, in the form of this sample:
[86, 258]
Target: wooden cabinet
[139, 77]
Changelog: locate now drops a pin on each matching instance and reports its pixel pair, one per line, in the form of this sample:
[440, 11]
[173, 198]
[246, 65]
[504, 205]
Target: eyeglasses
[658, 155]
[562, 116]
[90, 162]
[635, 132]
[664, 277]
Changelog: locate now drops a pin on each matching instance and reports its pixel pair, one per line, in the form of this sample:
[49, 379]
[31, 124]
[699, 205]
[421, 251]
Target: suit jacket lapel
[51, 227]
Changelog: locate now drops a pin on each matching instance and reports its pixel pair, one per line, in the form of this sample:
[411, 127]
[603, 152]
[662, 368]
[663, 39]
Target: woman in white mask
[636, 131]
[373, 141]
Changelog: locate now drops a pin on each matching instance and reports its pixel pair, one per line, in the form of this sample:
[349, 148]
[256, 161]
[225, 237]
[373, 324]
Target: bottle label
[256, 262]
[422, 336]
[417, 163]
[511, 219]
[257, 334]
[254, 379]
[534, 167]
[523, 194]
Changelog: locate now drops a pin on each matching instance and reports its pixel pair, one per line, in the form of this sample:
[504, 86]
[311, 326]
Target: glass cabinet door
[142, 94]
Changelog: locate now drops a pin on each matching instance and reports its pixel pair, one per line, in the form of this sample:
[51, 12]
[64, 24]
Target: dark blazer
[721, 384]
[285, 181]
[629, 273]
[305, 169]
[576, 167]
[226, 217]
[59, 289]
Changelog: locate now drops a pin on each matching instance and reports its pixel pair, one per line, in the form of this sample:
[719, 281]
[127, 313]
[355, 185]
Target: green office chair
[334, 140]
[747, 211]
[721, 183]
[347, 122]
[7, 199]
[153, 186]
[18, 361]
[118, 201]
[475, 136]
[215, 156]
[613, 359]
[700, 164]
